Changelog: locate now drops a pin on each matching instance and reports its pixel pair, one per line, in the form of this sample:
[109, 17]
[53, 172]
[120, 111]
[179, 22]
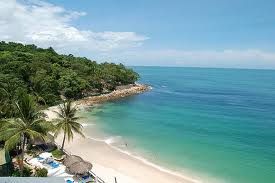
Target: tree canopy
[46, 75]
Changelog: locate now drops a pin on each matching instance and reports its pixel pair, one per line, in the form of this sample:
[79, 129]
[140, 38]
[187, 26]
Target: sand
[109, 162]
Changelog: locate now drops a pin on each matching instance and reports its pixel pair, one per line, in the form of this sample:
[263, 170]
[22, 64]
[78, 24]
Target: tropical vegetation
[57, 153]
[28, 125]
[32, 79]
[41, 172]
[67, 122]
[26, 172]
[47, 75]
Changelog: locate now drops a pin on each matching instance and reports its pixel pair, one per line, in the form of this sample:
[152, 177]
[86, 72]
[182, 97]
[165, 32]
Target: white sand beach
[109, 162]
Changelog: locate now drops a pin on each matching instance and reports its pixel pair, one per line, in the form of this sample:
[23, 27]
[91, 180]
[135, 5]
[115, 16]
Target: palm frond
[34, 134]
[12, 141]
[68, 121]
[5, 134]
[79, 131]
[30, 123]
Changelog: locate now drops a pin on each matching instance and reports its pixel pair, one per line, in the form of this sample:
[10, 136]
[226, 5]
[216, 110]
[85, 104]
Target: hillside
[48, 75]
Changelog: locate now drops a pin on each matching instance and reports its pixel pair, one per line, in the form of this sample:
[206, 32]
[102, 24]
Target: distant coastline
[120, 92]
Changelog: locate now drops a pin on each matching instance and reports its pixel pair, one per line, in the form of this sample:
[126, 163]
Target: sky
[197, 33]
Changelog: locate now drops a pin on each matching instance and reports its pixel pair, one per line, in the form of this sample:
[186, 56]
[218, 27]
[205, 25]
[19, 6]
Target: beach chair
[69, 180]
[85, 179]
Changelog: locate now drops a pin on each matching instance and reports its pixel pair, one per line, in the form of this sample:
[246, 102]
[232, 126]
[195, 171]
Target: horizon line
[199, 67]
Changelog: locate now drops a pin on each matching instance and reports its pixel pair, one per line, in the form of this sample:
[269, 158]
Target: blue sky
[186, 24]
[198, 33]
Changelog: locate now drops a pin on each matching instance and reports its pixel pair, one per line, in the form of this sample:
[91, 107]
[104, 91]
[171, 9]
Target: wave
[110, 141]
[113, 140]
[87, 124]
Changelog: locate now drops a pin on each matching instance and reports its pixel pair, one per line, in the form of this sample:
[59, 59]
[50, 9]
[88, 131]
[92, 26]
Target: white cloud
[213, 55]
[47, 25]
[248, 58]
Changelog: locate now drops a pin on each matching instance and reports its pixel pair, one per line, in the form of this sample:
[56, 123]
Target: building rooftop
[32, 179]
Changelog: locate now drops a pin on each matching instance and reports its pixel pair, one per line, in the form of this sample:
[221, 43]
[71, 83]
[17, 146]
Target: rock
[120, 92]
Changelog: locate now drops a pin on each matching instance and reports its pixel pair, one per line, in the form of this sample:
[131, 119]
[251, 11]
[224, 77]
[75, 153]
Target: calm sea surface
[214, 123]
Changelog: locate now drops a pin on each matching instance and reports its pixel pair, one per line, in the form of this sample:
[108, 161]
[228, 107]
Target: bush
[26, 172]
[43, 172]
[15, 173]
[57, 153]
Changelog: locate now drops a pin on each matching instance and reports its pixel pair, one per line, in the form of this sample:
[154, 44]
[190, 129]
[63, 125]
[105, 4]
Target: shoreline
[148, 162]
[129, 90]
[110, 161]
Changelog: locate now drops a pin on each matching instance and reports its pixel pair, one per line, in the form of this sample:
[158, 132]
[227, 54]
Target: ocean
[217, 125]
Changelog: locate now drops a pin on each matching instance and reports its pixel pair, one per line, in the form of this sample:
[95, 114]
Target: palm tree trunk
[21, 165]
[63, 142]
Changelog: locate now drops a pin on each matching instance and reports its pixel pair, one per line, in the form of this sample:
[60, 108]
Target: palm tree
[8, 86]
[29, 125]
[67, 122]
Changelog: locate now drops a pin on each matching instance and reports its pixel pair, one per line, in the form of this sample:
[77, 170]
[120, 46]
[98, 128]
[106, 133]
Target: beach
[145, 91]
[211, 131]
[110, 162]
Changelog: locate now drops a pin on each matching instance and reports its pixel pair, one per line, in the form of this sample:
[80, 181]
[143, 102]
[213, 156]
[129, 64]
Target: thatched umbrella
[40, 141]
[80, 168]
[69, 160]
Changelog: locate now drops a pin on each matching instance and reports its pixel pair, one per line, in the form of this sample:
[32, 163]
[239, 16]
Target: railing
[98, 179]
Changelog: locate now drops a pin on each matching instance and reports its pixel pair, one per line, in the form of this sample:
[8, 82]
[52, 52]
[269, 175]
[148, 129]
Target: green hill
[48, 75]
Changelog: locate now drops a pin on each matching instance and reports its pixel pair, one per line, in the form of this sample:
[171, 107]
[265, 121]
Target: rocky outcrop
[120, 92]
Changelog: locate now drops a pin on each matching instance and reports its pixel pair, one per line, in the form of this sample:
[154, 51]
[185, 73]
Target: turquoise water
[216, 123]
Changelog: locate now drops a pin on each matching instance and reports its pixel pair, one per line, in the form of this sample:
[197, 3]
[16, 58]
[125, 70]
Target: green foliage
[26, 172]
[9, 87]
[41, 172]
[29, 124]
[57, 153]
[46, 75]
[67, 122]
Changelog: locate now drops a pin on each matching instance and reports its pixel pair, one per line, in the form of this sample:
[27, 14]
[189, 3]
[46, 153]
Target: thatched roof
[39, 141]
[71, 159]
[80, 168]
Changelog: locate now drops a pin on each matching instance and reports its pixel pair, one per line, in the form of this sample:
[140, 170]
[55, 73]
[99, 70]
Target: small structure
[44, 144]
[5, 163]
[80, 168]
[71, 159]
